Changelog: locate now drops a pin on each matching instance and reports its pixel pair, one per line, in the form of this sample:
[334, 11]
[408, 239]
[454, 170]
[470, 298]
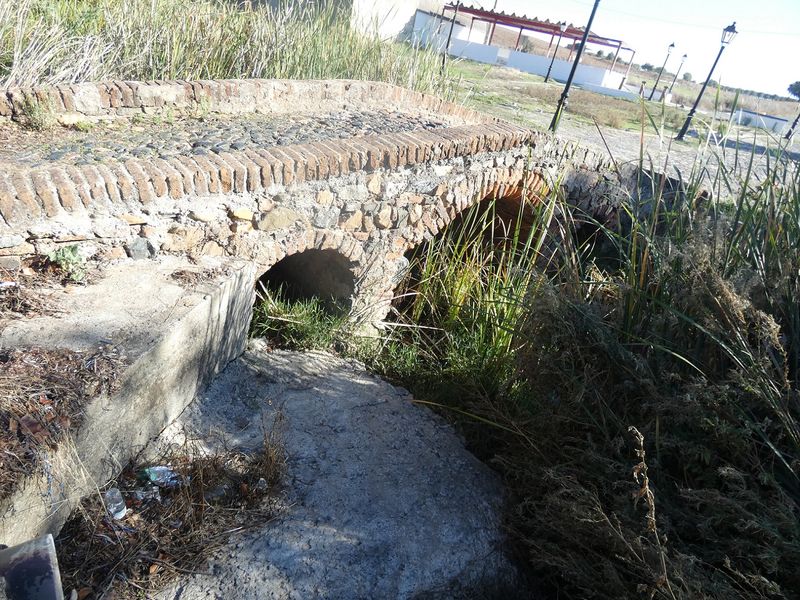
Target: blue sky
[765, 56]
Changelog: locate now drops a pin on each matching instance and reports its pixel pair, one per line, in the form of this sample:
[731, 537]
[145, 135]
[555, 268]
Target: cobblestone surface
[160, 138]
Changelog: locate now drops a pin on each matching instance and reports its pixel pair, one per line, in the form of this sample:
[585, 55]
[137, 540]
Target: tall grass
[64, 41]
[683, 325]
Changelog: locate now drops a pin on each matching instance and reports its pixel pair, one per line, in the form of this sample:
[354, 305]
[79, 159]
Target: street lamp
[789, 133]
[562, 27]
[661, 72]
[563, 100]
[674, 79]
[727, 35]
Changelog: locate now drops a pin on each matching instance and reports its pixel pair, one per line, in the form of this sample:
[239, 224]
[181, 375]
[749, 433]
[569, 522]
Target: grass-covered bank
[640, 401]
[66, 41]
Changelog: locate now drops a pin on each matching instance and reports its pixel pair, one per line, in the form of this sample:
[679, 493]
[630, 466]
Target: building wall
[390, 18]
[429, 30]
[768, 122]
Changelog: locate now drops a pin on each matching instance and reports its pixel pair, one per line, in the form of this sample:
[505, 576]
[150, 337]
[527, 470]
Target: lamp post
[449, 34]
[563, 100]
[674, 79]
[661, 72]
[789, 133]
[727, 35]
[562, 27]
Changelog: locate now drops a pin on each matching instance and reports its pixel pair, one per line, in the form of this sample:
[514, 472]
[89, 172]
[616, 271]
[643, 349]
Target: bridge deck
[154, 136]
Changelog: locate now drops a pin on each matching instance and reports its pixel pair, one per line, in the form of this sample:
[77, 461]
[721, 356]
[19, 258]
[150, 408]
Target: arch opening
[494, 234]
[324, 275]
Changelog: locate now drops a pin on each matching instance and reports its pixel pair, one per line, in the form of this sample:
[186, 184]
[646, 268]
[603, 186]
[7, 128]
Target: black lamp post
[661, 72]
[674, 79]
[563, 100]
[727, 35]
[789, 133]
[562, 27]
[449, 34]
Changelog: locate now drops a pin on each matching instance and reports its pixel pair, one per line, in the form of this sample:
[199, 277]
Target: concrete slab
[382, 500]
[175, 336]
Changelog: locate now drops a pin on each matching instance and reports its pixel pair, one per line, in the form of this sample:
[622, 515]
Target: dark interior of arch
[323, 274]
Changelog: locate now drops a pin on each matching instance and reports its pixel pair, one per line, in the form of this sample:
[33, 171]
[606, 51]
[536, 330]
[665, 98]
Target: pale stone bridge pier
[181, 195]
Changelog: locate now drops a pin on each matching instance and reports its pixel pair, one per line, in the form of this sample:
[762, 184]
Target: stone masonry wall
[369, 198]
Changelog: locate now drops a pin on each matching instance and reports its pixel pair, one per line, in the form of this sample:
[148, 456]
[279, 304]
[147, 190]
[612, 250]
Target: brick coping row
[113, 99]
[30, 195]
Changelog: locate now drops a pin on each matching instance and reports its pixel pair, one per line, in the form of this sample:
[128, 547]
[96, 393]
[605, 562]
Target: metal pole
[674, 79]
[563, 101]
[552, 60]
[628, 70]
[688, 121]
[449, 36]
[519, 37]
[550, 45]
[616, 56]
[660, 73]
[792, 128]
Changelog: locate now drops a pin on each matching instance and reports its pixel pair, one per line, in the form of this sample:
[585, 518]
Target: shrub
[37, 114]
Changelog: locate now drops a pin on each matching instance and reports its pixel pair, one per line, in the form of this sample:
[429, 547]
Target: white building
[763, 121]
[474, 42]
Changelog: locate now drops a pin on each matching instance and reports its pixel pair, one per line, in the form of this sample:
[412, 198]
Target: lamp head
[562, 26]
[670, 48]
[729, 33]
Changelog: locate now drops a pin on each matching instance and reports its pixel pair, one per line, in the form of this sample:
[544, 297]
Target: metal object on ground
[30, 571]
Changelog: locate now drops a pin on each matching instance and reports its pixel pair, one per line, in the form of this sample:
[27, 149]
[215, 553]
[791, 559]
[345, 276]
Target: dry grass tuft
[42, 396]
[161, 538]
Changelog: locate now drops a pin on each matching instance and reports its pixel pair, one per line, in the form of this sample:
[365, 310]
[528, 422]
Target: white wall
[774, 124]
[429, 30]
[389, 17]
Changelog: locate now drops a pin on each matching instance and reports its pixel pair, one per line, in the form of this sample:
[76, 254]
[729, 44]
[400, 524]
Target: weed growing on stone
[37, 114]
[69, 262]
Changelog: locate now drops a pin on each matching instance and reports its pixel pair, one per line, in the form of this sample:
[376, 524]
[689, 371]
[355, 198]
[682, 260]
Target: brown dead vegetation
[42, 396]
[168, 531]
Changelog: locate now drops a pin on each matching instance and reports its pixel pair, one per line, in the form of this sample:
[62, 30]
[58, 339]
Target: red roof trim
[512, 20]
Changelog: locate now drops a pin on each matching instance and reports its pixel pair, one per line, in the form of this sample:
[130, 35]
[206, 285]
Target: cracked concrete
[381, 498]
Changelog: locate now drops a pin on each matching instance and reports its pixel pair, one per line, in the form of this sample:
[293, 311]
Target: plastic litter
[164, 477]
[216, 493]
[115, 504]
[145, 495]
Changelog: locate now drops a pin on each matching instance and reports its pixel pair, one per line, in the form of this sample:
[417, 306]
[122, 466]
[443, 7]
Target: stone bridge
[355, 202]
[324, 184]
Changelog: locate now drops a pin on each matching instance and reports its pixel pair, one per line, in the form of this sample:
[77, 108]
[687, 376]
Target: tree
[610, 55]
[647, 67]
[599, 54]
[794, 89]
[687, 76]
